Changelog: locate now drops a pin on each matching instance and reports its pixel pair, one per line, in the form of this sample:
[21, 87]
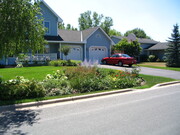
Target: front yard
[159, 65]
[45, 82]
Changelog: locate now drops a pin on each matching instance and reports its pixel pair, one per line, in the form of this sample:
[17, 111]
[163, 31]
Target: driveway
[148, 71]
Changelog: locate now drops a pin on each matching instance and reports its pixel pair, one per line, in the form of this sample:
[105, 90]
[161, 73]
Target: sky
[155, 17]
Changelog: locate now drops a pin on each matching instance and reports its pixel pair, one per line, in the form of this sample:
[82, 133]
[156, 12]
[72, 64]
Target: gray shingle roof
[70, 35]
[159, 46]
[140, 40]
[146, 41]
[76, 36]
[86, 33]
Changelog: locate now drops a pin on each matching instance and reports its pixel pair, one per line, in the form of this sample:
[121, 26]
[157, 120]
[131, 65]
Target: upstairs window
[47, 25]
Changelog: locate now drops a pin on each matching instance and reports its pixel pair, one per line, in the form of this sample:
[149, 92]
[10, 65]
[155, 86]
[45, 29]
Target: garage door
[97, 53]
[75, 54]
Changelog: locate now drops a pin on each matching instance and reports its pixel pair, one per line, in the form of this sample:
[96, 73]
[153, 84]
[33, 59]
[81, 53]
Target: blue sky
[155, 17]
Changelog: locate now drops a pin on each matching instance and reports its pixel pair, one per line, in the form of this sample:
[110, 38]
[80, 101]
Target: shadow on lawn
[11, 120]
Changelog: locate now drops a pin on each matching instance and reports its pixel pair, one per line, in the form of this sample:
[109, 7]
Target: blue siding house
[92, 44]
[145, 43]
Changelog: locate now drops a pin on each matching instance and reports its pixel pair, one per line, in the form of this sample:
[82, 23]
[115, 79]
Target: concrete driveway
[148, 71]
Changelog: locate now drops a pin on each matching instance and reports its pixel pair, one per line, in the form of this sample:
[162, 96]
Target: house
[92, 44]
[145, 43]
[149, 46]
[158, 49]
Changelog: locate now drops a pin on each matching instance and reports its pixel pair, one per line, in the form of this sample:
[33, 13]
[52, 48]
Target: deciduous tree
[131, 48]
[140, 33]
[21, 29]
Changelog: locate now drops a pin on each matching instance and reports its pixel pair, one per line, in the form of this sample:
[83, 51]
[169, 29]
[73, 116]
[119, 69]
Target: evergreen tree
[173, 50]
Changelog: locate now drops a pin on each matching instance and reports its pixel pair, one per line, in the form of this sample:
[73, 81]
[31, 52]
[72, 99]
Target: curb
[165, 84]
[52, 101]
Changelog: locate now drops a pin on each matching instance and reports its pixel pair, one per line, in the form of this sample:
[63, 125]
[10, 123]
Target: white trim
[59, 18]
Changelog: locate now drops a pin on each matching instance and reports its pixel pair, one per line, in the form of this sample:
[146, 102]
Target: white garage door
[97, 53]
[75, 53]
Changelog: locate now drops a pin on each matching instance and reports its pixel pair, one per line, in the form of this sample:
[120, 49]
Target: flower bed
[79, 79]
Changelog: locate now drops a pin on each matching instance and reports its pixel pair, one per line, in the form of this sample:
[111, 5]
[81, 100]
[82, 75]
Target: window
[47, 25]
[47, 49]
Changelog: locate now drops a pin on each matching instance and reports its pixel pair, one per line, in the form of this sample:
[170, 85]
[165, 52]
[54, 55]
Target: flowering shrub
[20, 88]
[57, 84]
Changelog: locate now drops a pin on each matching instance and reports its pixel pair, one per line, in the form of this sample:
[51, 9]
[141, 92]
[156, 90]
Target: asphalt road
[144, 112]
[148, 71]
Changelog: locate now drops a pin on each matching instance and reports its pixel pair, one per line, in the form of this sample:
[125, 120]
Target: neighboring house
[145, 43]
[92, 44]
[158, 49]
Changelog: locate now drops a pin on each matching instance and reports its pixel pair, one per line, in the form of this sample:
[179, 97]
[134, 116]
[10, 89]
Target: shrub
[57, 84]
[64, 63]
[152, 58]
[21, 88]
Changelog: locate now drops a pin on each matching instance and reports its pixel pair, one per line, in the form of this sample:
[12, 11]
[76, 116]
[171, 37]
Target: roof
[53, 38]
[86, 33]
[70, 35]
[140, 40]
[59, 18]
[146, 41]
[78, 36]
[159, 46]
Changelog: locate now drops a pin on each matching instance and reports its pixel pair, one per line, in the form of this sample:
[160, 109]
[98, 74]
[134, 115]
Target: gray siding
[51, 18]
[98, 39]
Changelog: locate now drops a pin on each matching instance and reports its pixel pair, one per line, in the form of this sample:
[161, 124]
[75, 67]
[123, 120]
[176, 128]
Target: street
[143, 112]
[148, 71]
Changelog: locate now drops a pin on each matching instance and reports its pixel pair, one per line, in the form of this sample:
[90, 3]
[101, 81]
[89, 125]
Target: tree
[113, 32]
[138, 32]
[21, 30]
[89, 19]
[131, 48]
[173, 50]
[106, 25]
[65, 50]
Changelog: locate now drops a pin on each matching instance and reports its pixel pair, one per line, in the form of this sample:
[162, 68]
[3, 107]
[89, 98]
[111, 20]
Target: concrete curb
[52, 101]
[165, 84]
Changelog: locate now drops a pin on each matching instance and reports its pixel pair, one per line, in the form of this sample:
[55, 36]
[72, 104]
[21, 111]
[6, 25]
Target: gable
[98, 38]
[50, 19]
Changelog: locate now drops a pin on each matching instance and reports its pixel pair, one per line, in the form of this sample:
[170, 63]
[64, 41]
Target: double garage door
[97, 53]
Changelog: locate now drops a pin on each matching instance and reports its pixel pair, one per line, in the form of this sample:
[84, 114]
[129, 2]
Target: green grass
[38, 73]
[158, 65]
[153, 80]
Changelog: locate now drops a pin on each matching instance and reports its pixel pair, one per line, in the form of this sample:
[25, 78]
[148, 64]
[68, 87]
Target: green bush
[57, 84]
[152, 58]
[64, 63]
[21, 88]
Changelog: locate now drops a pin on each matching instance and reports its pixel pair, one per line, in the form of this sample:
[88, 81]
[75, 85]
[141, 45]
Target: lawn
[159, 65]
[38, 73]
